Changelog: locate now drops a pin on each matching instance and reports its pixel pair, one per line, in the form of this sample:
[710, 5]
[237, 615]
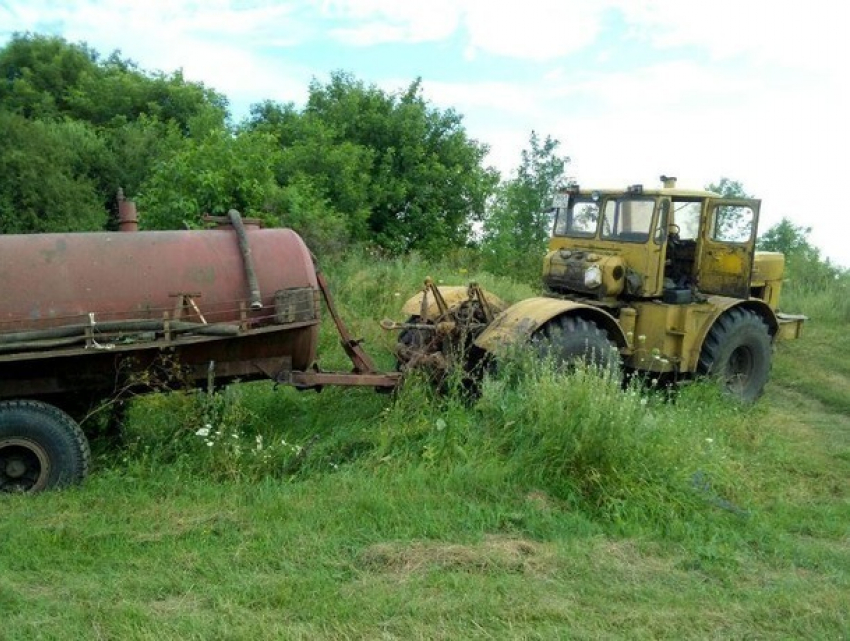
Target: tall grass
[632, 458]
[632, 455]
[817, 289]
[551, 504]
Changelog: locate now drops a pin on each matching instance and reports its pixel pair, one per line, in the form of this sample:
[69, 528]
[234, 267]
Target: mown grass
[552, 506]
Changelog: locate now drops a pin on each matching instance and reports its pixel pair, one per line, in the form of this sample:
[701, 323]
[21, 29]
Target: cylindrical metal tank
[52, 280]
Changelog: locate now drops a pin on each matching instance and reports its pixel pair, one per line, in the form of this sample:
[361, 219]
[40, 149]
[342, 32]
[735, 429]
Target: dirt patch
[176, 527]
[175, 604]
[630, 562]
[493, 554]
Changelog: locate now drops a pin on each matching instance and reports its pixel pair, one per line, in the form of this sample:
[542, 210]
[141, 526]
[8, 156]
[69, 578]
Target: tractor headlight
[593, 276]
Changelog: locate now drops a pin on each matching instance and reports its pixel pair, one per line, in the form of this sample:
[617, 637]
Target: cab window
[732, 223]
[628, 219]
[686, 214]
[579, 218]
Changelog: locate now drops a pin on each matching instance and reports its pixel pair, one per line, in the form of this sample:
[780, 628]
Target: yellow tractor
[666, 282]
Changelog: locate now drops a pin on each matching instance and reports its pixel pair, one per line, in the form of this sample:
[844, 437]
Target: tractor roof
[673, 192]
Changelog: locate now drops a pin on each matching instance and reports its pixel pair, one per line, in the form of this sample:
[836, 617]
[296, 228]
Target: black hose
[70, 334]
[247, 260]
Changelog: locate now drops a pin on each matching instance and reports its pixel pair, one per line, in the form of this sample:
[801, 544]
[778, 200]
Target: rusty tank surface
[73, 304]
[93, 317]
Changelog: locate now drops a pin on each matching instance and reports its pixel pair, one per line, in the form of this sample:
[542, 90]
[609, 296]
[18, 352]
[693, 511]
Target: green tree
[212, 172]
[49, 172]
[91, 126]
[315, 166]
[519, 218]
[49, 78]
[729, 188]
[788, 238]
[803, 260]
[404, 174]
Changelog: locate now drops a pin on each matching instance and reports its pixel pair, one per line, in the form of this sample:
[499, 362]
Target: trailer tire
[41, 448]
[568, 339]
[737, 352]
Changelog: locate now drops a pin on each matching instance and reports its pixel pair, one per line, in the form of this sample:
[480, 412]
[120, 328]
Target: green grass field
[553, 507]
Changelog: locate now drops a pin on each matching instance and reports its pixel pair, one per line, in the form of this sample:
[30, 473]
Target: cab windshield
[628, 219]
[577, 216]
[624, 219]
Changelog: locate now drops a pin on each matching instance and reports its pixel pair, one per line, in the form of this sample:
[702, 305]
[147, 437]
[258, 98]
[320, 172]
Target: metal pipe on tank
[245, 248]
[128, 217]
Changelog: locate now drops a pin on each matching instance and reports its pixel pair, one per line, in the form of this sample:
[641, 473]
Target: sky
[753, 90]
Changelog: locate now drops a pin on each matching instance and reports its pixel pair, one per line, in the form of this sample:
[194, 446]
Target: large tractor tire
[569, 339]
[41, 448]
[737, 352]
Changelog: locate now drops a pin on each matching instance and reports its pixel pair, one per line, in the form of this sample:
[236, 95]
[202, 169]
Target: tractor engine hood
[586, 272]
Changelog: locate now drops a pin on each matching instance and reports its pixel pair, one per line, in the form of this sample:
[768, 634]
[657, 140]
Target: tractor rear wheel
[737, 352]
[41, 448]
[569, 339]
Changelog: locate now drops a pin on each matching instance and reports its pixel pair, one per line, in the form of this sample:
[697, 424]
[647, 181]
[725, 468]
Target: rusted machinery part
[438, 346]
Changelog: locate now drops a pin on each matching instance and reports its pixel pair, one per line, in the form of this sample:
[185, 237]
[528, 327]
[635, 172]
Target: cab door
[726, 249]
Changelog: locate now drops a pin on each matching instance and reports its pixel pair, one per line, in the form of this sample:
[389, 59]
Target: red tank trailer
[86, 317]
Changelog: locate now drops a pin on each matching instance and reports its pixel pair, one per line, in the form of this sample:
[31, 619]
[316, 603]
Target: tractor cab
[668, 243]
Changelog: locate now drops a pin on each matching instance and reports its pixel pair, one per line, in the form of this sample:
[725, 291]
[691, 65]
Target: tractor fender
[517, 323]
[721, 305]
[454, 297]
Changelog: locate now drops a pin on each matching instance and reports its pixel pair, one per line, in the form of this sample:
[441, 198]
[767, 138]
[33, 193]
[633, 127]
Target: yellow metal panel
[518, 322]
[768, 269]
[768, 266]
[790, 326]
[643, 258]
[669, 338]
[730, 263]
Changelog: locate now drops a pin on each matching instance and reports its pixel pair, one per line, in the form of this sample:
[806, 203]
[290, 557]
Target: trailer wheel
[737, 351]
[41, 448]
[569, 339]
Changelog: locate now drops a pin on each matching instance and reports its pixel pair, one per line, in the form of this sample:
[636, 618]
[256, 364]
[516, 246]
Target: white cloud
[212, 42]
[809, 35]
[502, 98]
[370, 22]
[130, 22]
[532, 29]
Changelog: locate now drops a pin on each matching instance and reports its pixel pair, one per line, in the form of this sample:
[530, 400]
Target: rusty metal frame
[362, 362]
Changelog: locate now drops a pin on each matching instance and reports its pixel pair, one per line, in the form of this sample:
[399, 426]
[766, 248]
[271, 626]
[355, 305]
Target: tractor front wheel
[569, 339]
